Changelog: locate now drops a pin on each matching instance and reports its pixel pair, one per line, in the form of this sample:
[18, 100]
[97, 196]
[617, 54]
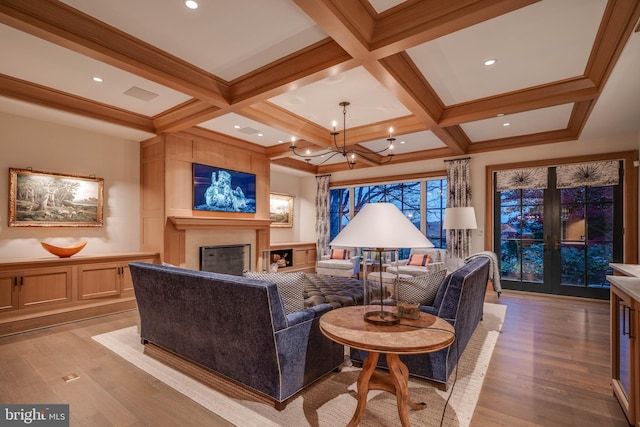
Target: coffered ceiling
[264, 71]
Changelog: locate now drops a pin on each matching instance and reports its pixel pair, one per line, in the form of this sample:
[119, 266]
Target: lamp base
[384, 318]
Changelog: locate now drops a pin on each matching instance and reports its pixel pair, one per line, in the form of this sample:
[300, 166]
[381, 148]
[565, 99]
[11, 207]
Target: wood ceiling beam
[50, 98]
[296, 164]
[618, 22]
[539, 138]
[349, 23]
[281, 119]
[186, 115]
[408, 25]
[65, 26]
[548, 95]
[399, 74]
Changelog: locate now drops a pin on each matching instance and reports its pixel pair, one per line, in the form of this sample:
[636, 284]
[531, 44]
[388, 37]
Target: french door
[559, 241]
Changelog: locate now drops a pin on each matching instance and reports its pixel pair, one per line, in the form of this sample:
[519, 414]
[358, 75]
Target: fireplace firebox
[226, 259]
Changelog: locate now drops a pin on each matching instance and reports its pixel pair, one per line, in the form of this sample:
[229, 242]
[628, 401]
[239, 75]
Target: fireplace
[226, 259]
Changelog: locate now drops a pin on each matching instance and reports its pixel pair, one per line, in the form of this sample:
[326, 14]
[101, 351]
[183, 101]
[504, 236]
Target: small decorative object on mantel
[64, 251]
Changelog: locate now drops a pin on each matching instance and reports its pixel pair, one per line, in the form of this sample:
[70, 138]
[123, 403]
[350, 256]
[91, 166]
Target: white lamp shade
[459, 219]
[381, 225]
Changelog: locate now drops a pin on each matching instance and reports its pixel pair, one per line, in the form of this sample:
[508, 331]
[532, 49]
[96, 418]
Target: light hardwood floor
[550, 368]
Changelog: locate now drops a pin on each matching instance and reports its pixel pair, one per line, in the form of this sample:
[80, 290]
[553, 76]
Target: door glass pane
[532, 261]
[587, 233]
[522, 235]
[599, 255]
[573, 256]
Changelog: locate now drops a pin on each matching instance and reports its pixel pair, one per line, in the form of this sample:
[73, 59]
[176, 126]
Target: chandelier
[350, 154]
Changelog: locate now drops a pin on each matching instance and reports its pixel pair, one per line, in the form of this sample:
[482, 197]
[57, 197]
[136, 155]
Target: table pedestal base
[396, 382]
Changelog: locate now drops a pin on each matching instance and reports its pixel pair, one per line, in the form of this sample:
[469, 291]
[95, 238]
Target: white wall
[50, 147]
[478, 165]
[304, 216]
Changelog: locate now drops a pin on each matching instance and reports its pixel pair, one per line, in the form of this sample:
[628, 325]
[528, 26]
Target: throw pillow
[421, 289]
[290, 287]
[339, 254]
[419, 259]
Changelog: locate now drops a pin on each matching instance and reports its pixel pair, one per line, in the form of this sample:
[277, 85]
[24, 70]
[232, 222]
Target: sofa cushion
[419, 259]
[336, 263]
[420, 289]
[290, 287]
[339, 254]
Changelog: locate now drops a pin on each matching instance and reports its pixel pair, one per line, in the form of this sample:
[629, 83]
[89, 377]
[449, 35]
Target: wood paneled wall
[167, 187]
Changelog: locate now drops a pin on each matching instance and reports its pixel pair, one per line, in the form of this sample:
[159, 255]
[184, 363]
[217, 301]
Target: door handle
[631, 335]
[624, 320]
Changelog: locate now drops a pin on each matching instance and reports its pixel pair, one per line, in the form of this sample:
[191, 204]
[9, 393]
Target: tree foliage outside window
[406, 196]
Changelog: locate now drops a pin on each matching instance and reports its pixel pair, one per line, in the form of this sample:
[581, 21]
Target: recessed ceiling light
[506, 124]
[489, 62]
[236, 127]
[97, 79]
[260, 134]
[402, 142]
[499, 114]
[191, 4]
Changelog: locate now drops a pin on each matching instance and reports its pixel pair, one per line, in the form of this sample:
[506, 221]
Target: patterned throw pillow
[339, 254]
[419, 259]
[290, 287]
[421, 289]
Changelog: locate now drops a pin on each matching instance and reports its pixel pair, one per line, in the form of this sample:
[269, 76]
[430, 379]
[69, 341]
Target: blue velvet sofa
[235, 327]
[459, 300]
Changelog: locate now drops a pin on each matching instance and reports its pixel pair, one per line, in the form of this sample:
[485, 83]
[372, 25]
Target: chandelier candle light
[350, 154]
[380, 227]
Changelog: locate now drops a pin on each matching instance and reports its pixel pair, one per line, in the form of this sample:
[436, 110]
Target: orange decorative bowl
[64, 251]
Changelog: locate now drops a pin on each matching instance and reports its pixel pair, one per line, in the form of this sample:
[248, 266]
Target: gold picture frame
[47, 199]
[281, 210]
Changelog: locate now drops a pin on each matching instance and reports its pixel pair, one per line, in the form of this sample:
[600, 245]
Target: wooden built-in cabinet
[47, 291]
[625, 345]
[304, 256]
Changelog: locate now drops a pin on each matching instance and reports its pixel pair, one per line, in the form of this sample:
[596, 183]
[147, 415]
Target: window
[338, 211]
[406, 196]
[436, 203]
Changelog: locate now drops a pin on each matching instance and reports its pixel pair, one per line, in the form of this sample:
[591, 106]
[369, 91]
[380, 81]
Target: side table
[423, 335]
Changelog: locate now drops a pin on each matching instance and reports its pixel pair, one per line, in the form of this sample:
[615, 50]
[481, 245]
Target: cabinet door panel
[98, 280]
[44, 286]
[7, 294]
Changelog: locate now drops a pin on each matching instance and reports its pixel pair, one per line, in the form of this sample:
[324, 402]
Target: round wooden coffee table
[423, 335]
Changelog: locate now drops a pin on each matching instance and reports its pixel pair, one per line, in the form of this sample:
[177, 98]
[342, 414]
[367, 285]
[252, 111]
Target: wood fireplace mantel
[178, 226]
[205, 223]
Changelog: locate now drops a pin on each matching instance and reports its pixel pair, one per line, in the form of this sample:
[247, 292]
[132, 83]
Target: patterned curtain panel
[595, 174]
[322, 215]
[522, 179]
[459, 196]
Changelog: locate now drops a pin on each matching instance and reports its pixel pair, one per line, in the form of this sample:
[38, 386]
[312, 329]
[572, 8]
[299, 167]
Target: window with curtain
[406, 196]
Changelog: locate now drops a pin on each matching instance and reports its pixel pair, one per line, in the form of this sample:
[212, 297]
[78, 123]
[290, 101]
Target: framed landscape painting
[47, 199]
[281, 210]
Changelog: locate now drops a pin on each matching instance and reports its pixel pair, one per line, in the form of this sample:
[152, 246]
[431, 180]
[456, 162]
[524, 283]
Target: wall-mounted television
[223, 190]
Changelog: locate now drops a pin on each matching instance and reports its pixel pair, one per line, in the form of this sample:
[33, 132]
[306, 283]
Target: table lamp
[380, 227]
[460, 219]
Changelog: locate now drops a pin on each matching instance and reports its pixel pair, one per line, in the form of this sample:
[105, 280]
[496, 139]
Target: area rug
[331, 401]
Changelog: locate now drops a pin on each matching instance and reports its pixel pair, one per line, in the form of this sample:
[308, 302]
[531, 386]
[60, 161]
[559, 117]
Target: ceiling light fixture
[191, 4]
[97, 79]
[506, 124]
[350, 154]
[489, 62]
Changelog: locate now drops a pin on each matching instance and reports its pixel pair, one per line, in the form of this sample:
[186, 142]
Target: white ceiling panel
[319, 102]
[541, 120]
[27, 56]
[408, 143]
[545, 42]
[241, 127]
[225, 38]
